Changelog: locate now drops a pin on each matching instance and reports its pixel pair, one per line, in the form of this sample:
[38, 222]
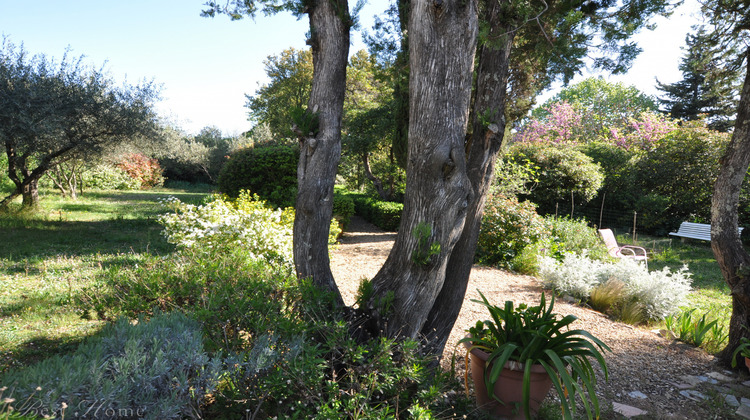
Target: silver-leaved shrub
[576, 275]
[660, 292]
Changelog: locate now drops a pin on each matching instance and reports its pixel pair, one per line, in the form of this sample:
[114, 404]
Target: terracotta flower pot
[509, 387]
[747, 362]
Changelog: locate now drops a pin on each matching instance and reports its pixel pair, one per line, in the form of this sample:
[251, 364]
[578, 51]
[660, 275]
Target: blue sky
[206, 66]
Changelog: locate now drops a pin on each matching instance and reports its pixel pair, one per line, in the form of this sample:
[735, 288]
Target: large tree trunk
[27, 182]
[401, 88]
[30, 193]
[725, 241]
[488, 127]
[442, 42]
[319, 154]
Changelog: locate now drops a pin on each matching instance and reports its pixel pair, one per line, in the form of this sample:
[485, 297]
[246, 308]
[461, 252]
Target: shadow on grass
[81, 238]
[40, 347]
[150, 196]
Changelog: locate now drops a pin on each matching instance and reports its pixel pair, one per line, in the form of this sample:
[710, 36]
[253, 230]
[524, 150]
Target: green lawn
[49, 256]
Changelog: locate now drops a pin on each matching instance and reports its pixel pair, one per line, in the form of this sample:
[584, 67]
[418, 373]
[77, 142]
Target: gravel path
[647, 372]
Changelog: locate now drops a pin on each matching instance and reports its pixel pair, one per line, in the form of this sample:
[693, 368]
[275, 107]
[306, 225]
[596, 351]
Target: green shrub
[6, 185]
[268, 170]
[679, 175]
[154, 369]
[560, 173]
[383, 214]
[514, 174]
[287, 354]
[616, 163]
[320, 371]
[508, 226]
[343, 207]
[107, 177]
[575, 235]
[527, 261]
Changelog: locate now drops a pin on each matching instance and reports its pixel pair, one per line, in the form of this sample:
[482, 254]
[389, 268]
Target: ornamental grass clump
[535, 335]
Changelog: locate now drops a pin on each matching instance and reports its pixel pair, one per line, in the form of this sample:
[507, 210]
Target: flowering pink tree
[566, 123]
[562, 125]
[643, 132]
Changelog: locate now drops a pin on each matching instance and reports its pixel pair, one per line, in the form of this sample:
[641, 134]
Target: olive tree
[52, 113]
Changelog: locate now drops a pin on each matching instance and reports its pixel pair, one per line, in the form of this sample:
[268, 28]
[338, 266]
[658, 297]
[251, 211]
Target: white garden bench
[700, 231]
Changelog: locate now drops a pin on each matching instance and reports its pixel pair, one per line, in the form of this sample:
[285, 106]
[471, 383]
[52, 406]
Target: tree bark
[30, 193]
[442, 42]
[488, 128]
[733, 260]
[319, 154]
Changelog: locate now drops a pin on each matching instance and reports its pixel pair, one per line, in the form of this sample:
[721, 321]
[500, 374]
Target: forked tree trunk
[442, 42]
[26, 182]
[733, 260]
[319, 155]
[488, 127]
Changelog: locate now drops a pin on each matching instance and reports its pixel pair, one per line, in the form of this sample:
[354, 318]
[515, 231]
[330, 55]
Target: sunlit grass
[48, 256]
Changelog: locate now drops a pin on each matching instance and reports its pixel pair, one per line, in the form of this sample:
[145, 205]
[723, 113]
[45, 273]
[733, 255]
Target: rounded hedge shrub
[383, 214]
[268, 170]
[560, 173]
[508, 226]
[343, 208]
[678, 176]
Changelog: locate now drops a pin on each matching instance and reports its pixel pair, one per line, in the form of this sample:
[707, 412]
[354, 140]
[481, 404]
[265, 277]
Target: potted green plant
[521, 352]
[743, 350]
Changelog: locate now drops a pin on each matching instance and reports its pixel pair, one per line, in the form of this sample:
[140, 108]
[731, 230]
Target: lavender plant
[151, 370]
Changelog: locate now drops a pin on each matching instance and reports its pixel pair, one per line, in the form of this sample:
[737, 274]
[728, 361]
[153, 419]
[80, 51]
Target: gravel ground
[640, 362]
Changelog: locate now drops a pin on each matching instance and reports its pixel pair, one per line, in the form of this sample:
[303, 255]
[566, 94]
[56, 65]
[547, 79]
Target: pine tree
[707, 88]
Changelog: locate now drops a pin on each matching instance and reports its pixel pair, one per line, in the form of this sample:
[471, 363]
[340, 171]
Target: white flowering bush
[263, 232]
[660, 293]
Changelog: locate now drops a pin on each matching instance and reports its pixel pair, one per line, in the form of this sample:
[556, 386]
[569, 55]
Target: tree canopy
[52, 112]
[605, 105]
[707, 89]
[290, 74]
